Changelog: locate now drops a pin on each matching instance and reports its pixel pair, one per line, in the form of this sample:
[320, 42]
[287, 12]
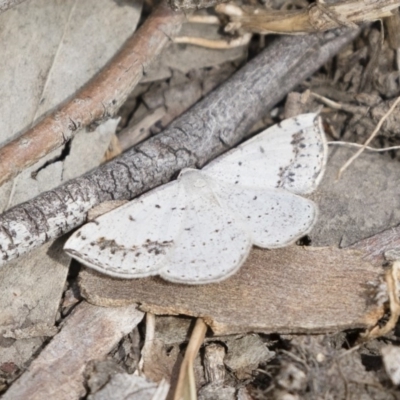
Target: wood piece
[98, 100]
[173, 330]
[214, 368]
[284, 290]
[88, 334]
[245, 354]
[393, 26]
[204, 132]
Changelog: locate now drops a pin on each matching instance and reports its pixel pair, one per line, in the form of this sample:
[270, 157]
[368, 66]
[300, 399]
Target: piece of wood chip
[31, 289]
[284, 290]
[88, 334]
[132, 387]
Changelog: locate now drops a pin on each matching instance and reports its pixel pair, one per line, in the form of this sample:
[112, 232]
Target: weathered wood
[284, 290]
[204, 132]
[375, 246]
[88, 334]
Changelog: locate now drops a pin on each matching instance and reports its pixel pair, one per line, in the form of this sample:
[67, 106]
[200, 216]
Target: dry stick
[100, 99]
[318, 17]
[208, 129]
[368, 141]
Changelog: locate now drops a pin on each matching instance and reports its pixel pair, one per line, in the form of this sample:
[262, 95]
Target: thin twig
[368, 141]
[100, 99]
[215, 44]
[339, 106]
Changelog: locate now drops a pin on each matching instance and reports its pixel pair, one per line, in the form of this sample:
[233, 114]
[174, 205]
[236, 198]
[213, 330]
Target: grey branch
[208, 129]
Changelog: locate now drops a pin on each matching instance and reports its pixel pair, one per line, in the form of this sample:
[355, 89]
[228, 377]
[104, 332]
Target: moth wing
[212, 244]
[132, 241]
[290, 155]
[274, 217]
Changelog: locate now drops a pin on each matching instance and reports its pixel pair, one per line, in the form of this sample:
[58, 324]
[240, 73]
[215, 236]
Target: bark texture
[208, 129]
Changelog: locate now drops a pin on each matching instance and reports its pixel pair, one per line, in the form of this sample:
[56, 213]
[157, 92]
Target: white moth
[201, 227]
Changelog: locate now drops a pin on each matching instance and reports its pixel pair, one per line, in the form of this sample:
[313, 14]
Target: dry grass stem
[149, 338]
[204, 19]
[339, 106]
[215, 44]
[349, 144]
[368, 141]
[186, 386]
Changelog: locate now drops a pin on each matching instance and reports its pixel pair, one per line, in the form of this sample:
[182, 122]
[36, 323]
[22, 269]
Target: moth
[200, 228]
